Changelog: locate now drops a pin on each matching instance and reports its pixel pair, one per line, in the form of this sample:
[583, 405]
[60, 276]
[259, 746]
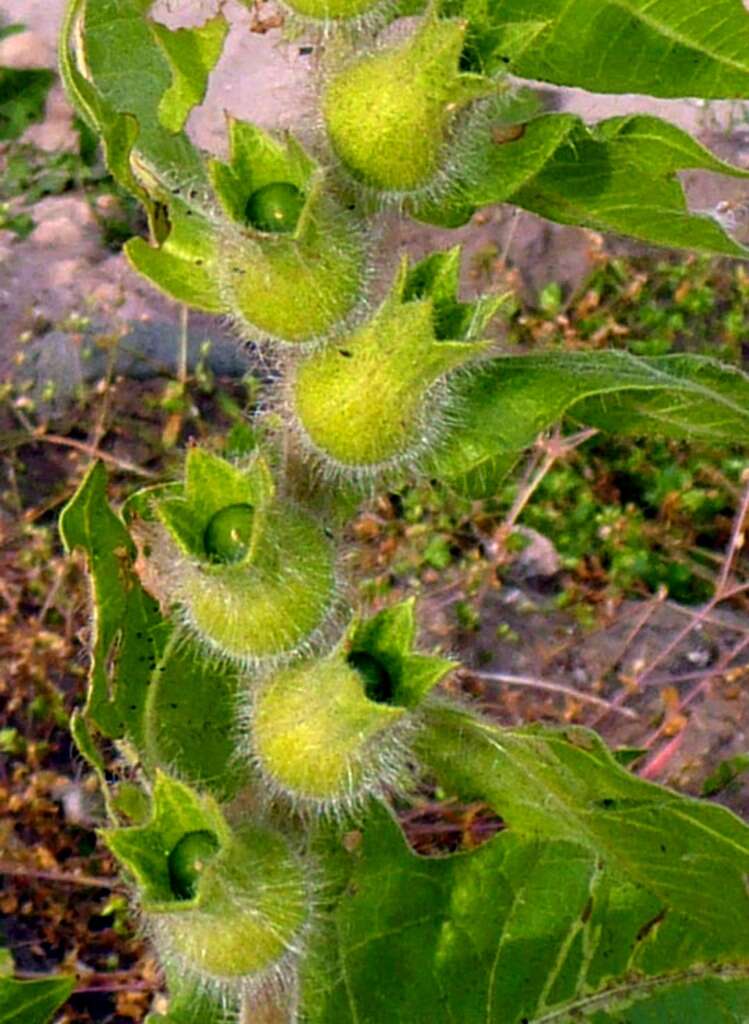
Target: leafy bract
[256, 160]
[184, 267]
[607, 899]
[617, 175]
[505, 405]
[390, 636]
[177, 810]
[32, 1002]
[129, 632]
[660, 47]
[437, 277]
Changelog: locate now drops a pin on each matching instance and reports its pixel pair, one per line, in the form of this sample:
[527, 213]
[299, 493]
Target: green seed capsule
[275, 208]
[188, 860]
[228, 534]
[317, 736]
[326, 10]
[390, 114]
[378, 685]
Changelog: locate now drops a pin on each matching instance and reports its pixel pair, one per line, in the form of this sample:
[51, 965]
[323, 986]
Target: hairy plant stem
[267, 1013]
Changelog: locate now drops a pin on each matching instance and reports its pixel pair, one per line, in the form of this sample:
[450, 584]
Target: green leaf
[129, 69]
[177, 810]
[192, 54]
[693, 856]
[618, 175]
[658, 47]
[191, 720]
[32, 1002]
[23, 94]
[128, 629]
[726, 772]
[603, 901]
[506, 405]
[438, 277]
[184, 266]
[705, 400]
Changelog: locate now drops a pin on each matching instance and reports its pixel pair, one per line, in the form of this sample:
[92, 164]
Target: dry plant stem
[554, 448]
[736, 542]
[100, 427]
[546, 684]
[96, 453]
[39, 434]
[54, 590]
[721, 593]
[656, 765]
[547, 450]
[86, 881]
[695, 692]
[514, 221]
[642, 620]
[184, 322]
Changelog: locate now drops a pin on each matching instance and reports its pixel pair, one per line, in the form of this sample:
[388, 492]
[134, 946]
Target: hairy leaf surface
[606, 899]
[506, 405]
[32, 1002]
[618, 175]
[660, 47]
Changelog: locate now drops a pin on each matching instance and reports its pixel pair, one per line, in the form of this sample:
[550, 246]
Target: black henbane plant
[264, 726]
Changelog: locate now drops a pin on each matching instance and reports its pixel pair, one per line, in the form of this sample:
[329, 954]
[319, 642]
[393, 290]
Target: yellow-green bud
[227, 907]
[327, 732]
[252, 576]
[248, 910]
[319, 739]
[390, 114]
[397, 357]
[294, 286]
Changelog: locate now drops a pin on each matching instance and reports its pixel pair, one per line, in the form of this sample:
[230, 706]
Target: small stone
[65, 273]
[25, 50]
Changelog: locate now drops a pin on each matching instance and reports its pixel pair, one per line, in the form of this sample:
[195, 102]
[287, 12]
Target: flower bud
[269, 245]
[225, 906]
[401, 356]
[253, 577]
[291, 260]
[390, 114]
[326, 732]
